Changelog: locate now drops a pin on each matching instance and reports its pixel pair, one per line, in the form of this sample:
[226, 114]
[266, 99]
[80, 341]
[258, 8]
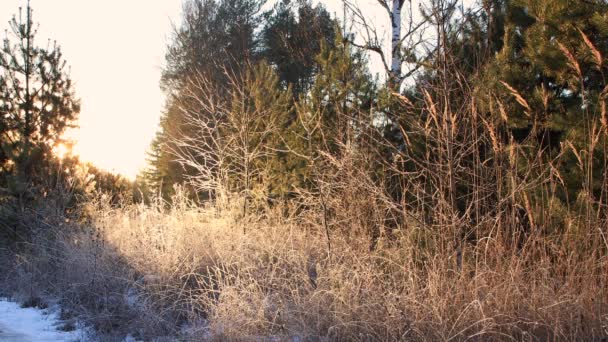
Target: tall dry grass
[191, 272]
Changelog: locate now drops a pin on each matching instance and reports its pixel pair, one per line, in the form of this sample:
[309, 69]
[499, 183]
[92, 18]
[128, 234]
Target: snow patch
[31, 324]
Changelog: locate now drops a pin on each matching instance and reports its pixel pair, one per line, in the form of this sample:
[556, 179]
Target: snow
[33, 325]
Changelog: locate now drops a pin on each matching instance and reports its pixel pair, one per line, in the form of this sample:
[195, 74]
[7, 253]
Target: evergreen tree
[548, 78]
[258, 111]
[162, 171]
[293, 38]
[334, 113]
[37, 102]
[215, 42]
[216, 36]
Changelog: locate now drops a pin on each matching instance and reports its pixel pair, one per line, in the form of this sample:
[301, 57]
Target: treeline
[490, 115]
[223, 44]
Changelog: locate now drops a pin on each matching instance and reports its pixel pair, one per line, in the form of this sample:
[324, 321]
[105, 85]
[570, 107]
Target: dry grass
[197, 275]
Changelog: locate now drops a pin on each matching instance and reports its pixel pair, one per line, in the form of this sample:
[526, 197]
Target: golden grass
[195, 268]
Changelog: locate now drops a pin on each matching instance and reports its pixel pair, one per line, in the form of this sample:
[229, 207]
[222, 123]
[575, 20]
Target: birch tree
[406, 35]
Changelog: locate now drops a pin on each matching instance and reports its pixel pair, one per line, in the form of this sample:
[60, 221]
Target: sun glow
[62, 150]
[115, 69]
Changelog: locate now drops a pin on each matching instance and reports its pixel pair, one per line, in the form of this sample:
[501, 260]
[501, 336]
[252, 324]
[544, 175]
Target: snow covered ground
[19, 324]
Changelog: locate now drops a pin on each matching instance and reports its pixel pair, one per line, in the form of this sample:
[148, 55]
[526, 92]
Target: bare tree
[407, 37]
[227, 139]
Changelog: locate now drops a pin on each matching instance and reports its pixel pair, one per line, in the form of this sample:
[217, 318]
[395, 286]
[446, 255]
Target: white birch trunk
[395, 38]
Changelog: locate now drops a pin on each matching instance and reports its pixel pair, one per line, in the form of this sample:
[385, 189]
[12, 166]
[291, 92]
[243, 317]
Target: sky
[115, 49]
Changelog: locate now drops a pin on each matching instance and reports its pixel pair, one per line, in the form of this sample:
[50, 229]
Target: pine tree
[333, 114]
[257, 113]
[37, 102]
[293, 38]
[549, 77]
[162, 172]
[215, 42]
[216, 36]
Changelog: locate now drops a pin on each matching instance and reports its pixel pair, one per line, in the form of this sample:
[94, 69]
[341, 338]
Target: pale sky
[116, 50]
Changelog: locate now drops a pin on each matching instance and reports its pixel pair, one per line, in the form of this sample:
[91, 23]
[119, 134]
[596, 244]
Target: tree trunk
[396, 61]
